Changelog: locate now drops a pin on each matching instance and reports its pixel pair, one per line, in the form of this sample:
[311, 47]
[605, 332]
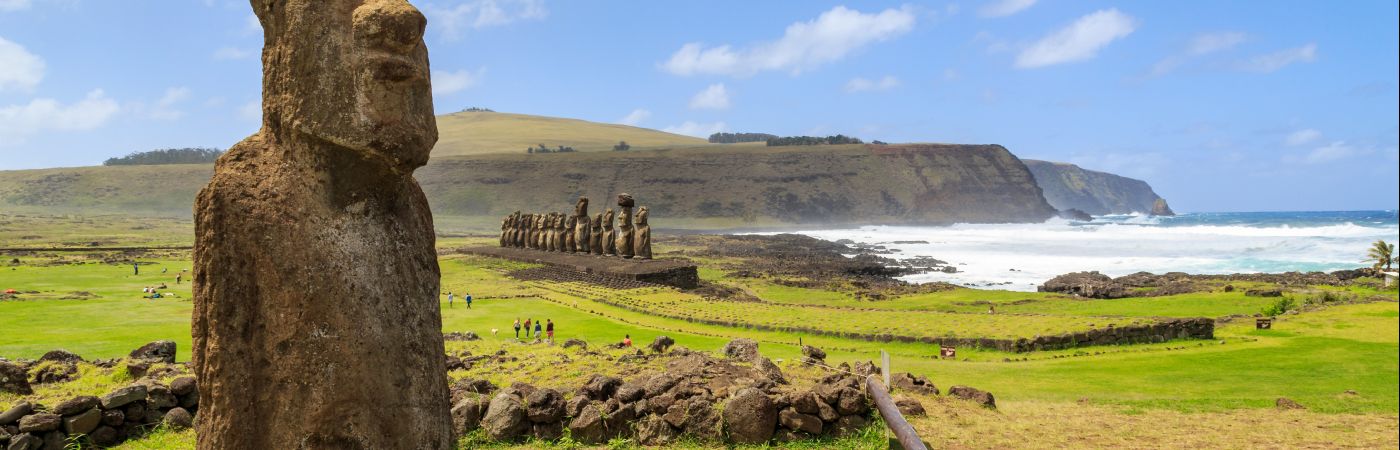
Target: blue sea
[1021, 256]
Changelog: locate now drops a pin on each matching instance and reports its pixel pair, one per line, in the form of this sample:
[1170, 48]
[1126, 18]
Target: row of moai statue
[578, 233]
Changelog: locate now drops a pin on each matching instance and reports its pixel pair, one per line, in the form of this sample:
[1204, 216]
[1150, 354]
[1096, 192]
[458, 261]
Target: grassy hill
[476, 133]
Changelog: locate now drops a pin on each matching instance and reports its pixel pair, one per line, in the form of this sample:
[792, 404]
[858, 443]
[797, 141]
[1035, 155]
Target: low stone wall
[670, 272]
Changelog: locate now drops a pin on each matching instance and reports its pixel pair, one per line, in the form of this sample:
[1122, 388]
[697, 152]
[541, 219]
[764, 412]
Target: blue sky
[1221, 106]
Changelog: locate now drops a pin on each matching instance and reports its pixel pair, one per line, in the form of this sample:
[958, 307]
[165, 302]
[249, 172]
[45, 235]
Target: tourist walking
[527, 326]
[549, 329]
[135, 268]
[537, 331]
[449, 299]
[178, 277]
[469, 301]
[517, 328]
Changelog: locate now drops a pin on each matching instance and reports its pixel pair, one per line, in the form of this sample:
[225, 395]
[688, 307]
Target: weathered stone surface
[315, 274]
[600, 387]
[184, 385]
[135, 413]
[61, 355]
[113, 418]
[1287, 403]
[156, 352]
[505, 418]
[123, 396]
[849, 425]
[25, 441]
[654, 431]
[771, 370]
[547, 431]
[750, 417]
[1086, 284]
[576, 342]
[641, 241]
[19, 410]
[702, 421]
[741, 349]
[82, 422]
[851, 402]
[466, 415]
[545, 405]
[814, 353]
[40, 422]
[794, 420]
[661, 343]
[159, 397]
[920, 384]
[826, 412]
[587, 426]
[104, 436]
[14, 379]
[973, 394]
[909, 406]
[178, 419]
[628, 393]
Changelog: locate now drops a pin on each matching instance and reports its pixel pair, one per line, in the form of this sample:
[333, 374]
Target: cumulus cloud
[805, 45]
[39, 115]
[1200, 45]
[1003, 8]
[635, 117]
[1079, 41]
[19, 69]
[713, 97]
[14, 5]
[1337, 150]
[1302, 137]
[445, 82]
[165, 107]
[859, 84]
[227, 53]
[452, 21]
[1270, 62]
[689, 128]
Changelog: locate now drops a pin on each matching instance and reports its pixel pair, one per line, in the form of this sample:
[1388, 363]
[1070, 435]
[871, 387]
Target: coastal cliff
[1067, 186]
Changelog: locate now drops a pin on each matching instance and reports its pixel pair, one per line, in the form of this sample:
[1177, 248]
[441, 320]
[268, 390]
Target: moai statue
[642, 243]
[316, 322]
[505, 229]
[609, 234]
[625, 231]
[515, 229]
[552, 233]
[570, 238]
[595, 236]
[539, 232]
[581, 229]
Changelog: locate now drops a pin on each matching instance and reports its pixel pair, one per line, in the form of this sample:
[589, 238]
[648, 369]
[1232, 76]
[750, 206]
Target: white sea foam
[1021, 256]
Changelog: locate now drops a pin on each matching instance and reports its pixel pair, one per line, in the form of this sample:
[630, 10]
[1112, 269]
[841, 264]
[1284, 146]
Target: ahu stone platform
[670, 272]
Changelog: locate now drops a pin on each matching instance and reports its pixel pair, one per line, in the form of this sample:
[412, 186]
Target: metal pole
[908, 438]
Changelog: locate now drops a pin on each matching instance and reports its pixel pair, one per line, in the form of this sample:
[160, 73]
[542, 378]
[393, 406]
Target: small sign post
[885, 367]
[947, 351]
[1264, 323]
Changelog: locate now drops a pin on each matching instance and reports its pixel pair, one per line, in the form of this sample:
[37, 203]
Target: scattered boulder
[461, 336]
[159, 397]
[852, 402]
[741, 349]
[1263, 292]
[909, 406]
[105, 436]
[576, 342]
[113, 418]
[813, 355]
[920, 384]
[976, 395]
[75, 405]
[866, 368]
[155, 352]
[654, 431]
[178, 418]
[1287, 403]
[600, 387]
[54, 372]
[701, 420]
[25, 441]
[40, 422]
[16, 412]
[769, 369]
[750, 417]
[184, 386]
[466, 415]
[587, 426]
[628, 393]
[1086, 284]
[61, 355]
[850, 425]
[661, 343]
[797, 421]
[505, 418]
[547, 431]
[545, 405]
[123, 396]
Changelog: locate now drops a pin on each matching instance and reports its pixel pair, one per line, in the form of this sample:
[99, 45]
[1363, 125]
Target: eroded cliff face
[855, 184]
[1069, 186]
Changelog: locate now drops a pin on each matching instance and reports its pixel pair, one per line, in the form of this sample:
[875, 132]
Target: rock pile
[122, 414]
[739, 399]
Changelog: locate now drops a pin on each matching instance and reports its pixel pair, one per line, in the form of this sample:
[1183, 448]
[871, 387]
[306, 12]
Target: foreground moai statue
[505, 229]
[624, 226]
[582, 230]
[642, 243]
[609, 234]
[570, 237]
[316, 323]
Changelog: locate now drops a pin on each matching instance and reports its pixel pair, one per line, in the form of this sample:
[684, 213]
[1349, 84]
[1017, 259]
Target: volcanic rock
[155, 352]
[750, 417]
[741, 349]
[976, 395]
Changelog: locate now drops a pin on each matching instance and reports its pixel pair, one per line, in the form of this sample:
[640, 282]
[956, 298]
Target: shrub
[1280, 306]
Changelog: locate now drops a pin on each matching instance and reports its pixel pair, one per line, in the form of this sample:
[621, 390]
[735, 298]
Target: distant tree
[1382, 254]
[476, 109]
[735, 138]
[813, 140]
[879, 142]
[621, 146]
[529, 150]
[196, 155]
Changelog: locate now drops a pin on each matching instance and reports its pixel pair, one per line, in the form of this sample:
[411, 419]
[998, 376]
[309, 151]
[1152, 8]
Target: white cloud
[1003, 8]
[1337, 150]
[859, 84]
[445, 82]
[713, 97]
[635, 117]
[251, 111]
[1302, 137]
[805, 45]
[1205, 43]
[14, 5]
[19, 69]
[165, 107]
[476, 14]
[43, 114]
[1079, 41]
[232, 53]
[689, 128]
[1277, 60]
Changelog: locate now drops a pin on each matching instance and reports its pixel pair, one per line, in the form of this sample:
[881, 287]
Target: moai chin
[316, 322]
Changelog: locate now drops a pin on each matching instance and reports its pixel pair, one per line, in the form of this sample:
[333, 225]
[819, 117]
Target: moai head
[641, 216]
[581, 208]
[597, 221]
[571, 222]
[607, 219]
[625, 200]
[349, 73]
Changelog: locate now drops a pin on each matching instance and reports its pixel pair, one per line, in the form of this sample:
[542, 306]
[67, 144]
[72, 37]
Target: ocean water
[1021, 256]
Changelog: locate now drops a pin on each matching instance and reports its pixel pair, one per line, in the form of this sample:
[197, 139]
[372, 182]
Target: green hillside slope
[475, 133]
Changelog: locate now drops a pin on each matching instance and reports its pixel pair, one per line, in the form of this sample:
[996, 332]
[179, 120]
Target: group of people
[153, 292]
[466, 298]
[578, 233]
[547, 327]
